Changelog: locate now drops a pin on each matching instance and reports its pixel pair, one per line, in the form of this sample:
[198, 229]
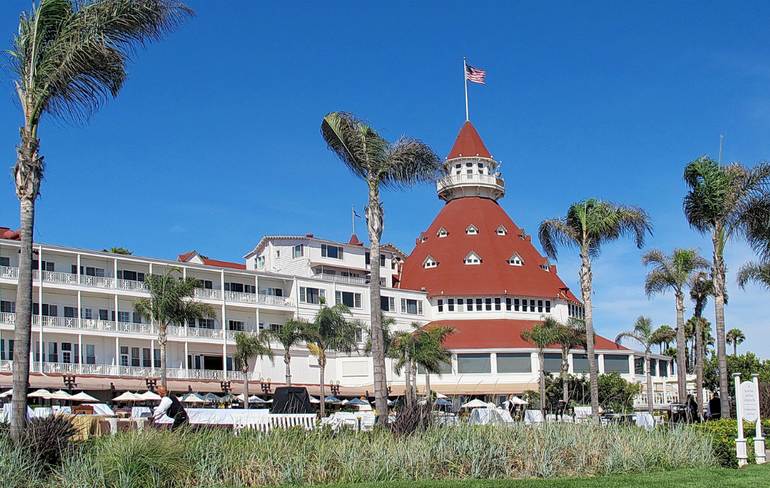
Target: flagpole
[465, 79]
[353, 217]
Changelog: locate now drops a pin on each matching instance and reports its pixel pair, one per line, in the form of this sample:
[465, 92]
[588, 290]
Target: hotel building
[473, 269]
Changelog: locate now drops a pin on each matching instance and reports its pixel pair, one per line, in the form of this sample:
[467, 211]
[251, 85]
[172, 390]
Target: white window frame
[515, 260]
[472, 230]
[404, 307]
[501, 230]
[325, 251]
[429, 263]
[297, 251]
[472, 259]
[442, 232]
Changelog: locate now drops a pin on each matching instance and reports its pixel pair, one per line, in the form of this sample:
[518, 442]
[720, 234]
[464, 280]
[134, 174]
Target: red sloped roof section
[468, 144]
[223, 264]
[494, 275]
[499, 334]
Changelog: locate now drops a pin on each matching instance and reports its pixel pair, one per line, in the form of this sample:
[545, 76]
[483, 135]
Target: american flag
[475, 75]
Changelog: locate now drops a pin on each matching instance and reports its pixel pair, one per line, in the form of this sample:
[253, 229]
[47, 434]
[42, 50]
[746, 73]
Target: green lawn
[751, 476]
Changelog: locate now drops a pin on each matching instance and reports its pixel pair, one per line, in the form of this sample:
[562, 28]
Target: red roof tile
[499, 334]
[185, 257]
[6, 233]
[494, 275]
[468, 144]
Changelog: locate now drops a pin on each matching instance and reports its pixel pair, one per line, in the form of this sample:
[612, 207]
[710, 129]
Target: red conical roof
[468, 144]
[494, 275]
[355, 241]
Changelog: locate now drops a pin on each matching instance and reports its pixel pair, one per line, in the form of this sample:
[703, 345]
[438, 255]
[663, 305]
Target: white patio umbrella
[41, 393]
[83, 397]
[127, 396]
[517, 401]
[475, 404]
[192, 398]
[60, 395]
[6, 394]
[314, 400]
[149, 396]
[441, 395]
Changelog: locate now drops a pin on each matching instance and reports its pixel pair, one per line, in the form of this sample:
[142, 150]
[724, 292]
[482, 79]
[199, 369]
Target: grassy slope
[752, 476]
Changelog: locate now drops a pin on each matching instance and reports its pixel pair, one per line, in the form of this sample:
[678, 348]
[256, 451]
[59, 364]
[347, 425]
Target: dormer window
[472, 230]
[472, 259]
[501, 231]
[429, 263]
[515, 260]
[545, 267]
[442, 232]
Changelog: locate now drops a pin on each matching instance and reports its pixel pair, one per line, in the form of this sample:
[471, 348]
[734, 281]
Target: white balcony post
[224, 325]
[600, 364]
[77, 270]
[186, 361]
[80, 310]
[40, 301]
[295, 292]
[115, 276]
[80, 351]
[152, 354]
[117, 353]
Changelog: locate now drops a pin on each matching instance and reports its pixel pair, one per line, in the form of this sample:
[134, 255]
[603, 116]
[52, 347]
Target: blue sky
[215, 139]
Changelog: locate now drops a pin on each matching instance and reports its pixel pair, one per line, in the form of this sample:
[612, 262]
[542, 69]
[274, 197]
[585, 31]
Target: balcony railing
[207, 293]
[452, 180]
[9, 272]
[338, 278]
[274, 300]
[132, 371]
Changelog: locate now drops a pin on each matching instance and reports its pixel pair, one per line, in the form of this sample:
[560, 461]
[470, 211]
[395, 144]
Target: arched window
[429, 263]
[471, 230]
[515, 260]
[472, 258]
[442, 232]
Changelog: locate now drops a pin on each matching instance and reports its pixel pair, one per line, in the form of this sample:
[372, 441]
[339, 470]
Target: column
[224, 324]
[493, 362]
[117, 354]
[80, 311]
[186, 363]
[115, 274]
[80, 352]
[571, 363]
[600, 364]
[152, 354]
[40, 303]
[116, 312]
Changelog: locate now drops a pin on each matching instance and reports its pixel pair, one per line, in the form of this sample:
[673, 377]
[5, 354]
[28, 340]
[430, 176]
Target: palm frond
[754, 273]
[408, 161]
[354, 142]
[554, 233]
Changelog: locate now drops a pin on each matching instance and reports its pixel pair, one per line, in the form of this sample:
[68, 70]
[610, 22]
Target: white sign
[749, 401]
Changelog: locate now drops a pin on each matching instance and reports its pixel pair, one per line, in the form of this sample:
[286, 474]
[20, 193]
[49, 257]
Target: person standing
[172, 407]
[715, 407]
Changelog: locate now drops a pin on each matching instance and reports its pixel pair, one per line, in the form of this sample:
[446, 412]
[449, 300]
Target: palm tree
[248, 346]
[288, 335]
[170, 302]
[430, 353]
[736, 338]
[569, 336]
[674, 273]
[402, 351]
[330, 331]
[646, 336]
[587, 226]
[68, 57]
[755, 272]
[665, 336]
[119, 250]
[379, 163]
[701, 287]
[723, 201]
[542, 335]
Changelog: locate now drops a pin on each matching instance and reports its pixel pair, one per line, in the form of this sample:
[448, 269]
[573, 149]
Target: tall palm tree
[701, 287]
[289, 334]
[402, 349]
[170, 302]
[665, 337]
[68, 58]
[330, 331]
[541, 336]
[723, 201]
[674, 273]
[569, 336]
[587, 226]
[735, 337]
[646, 336]
[430, 352]
[247, 346]
[380, 164]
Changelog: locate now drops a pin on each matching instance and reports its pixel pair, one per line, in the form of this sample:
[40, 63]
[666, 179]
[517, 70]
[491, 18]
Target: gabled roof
[494, 275]
[500, 334]
[192, 255]
[468, 144]
[7, 233]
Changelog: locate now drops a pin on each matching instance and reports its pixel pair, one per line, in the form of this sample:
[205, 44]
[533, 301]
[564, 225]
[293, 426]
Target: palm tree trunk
[650, 404]
[163, 339]
[427, 388]
[408, 384]
[322, 387]
[564, 371]
[586, 288]
[541, 362]
[681, 358]
[699, 365]
[245, 370]
[374, 222]
[735, 348]
[28, 173]
[287, 362]
[719, 315]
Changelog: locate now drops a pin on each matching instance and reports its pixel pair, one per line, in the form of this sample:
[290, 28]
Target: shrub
[47, 440]
[415, 418]
[17, 468]
[723, 433]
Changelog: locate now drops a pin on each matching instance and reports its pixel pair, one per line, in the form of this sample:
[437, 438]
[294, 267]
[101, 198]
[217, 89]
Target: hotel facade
[473, 269]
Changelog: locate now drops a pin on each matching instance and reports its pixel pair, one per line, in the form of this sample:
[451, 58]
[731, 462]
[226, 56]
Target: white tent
[475, 404]
[60, 395]
[314, 399]
[149, 396]
[192, 398]
[6, 394]
[127, 397]
[41, 393]
[83, 397]
[517, 401]
[441, 395]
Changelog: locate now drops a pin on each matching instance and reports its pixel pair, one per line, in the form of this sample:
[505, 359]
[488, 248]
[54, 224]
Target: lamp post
[335, 387]
[265, 386]
[151, 383]
[69, 382]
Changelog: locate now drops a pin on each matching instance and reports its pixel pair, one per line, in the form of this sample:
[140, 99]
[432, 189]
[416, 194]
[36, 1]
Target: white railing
[207, 293]
[6, 366]
[9, 272]
[132, 285]
[57, 277]
[215, 333]
[7, 318]
[240, 297]
[452, 180]
[274, 300]
[97, 281]
[132, 371]
[355, 280]
[61, 322]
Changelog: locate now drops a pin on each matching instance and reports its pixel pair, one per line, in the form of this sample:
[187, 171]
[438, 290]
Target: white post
[40, 303]
[80, 353]
[224, 325]
[759, 441]
[740, 441]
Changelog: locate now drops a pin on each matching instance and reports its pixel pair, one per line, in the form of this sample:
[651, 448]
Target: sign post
[759, 440]
[740, 441]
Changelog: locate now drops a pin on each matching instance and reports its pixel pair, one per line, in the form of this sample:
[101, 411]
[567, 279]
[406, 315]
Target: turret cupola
[470, 170]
